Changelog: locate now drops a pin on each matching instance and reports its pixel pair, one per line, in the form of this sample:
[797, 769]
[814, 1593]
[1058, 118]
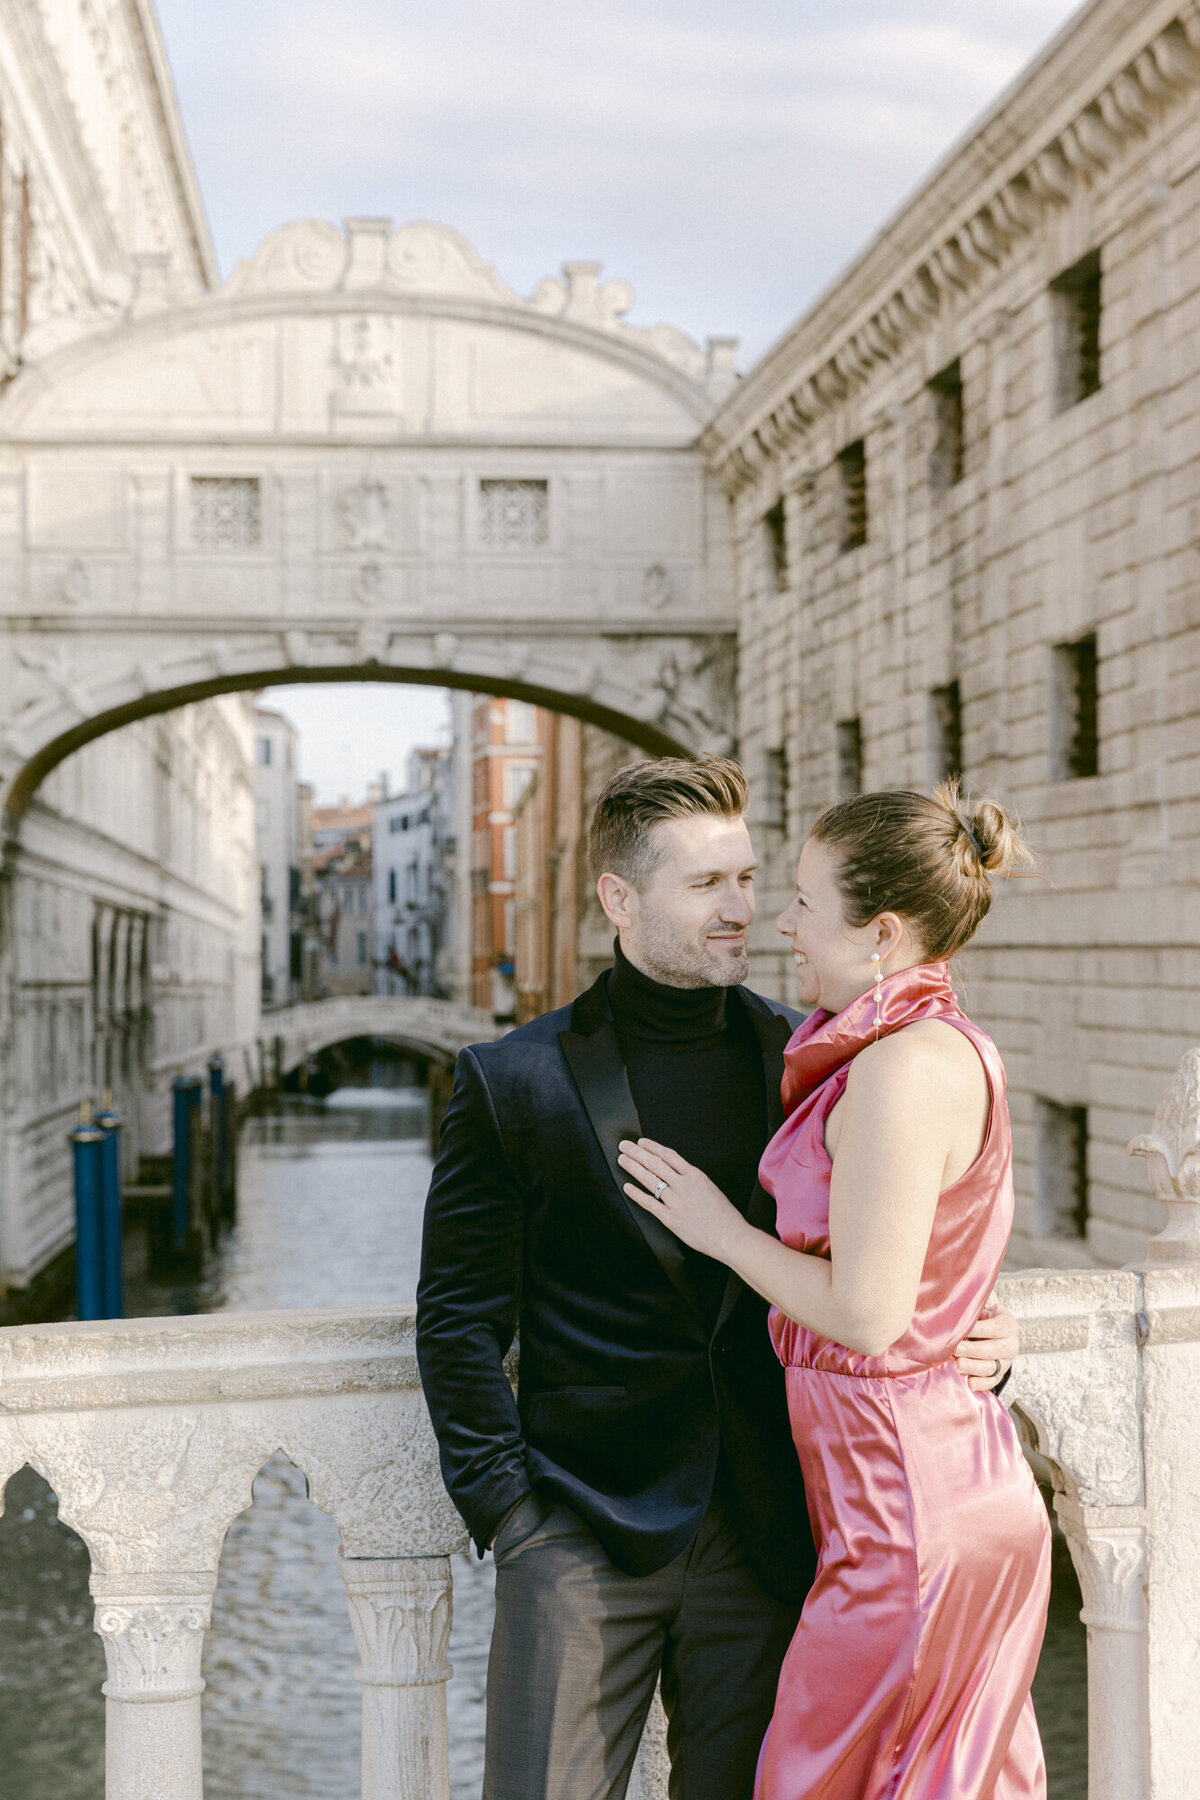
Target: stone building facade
[414, 856]
[278, 840]
[128, 907]
[966, 495]
[343, 891]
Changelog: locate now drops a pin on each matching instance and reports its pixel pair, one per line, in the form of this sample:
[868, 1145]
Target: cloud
[727, 162]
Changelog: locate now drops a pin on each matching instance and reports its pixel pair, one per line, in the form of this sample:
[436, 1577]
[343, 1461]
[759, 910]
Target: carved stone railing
[1108, 1384]
[151, 1433]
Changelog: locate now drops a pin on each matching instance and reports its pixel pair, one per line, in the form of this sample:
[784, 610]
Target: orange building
[552, 887]
[509, 740]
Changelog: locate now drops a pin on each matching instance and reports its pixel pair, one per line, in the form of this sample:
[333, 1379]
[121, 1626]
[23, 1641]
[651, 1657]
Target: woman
[909, 1674]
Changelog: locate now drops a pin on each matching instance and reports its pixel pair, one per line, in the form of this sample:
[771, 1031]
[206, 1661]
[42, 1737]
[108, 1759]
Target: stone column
[153, 1630]
[1110, 1560]
[400, 1609]
[651, 1779]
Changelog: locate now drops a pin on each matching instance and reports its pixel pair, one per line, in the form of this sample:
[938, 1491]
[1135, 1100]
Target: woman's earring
[878, 992]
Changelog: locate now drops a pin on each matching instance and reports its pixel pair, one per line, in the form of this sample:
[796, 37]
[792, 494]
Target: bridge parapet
[438, 1029]
[151, 1433]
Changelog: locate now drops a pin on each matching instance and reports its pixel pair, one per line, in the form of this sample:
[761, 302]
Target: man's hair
[621, 837]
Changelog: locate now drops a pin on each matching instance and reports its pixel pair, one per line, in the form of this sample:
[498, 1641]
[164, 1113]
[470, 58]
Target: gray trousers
[578, 1647]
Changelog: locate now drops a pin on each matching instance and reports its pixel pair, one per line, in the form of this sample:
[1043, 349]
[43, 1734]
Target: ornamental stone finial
[1172, 1152]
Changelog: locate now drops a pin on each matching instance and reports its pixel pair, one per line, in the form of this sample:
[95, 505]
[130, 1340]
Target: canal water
[330, 1205]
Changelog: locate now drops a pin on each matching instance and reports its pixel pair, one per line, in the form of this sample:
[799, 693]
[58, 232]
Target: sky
[727, 160]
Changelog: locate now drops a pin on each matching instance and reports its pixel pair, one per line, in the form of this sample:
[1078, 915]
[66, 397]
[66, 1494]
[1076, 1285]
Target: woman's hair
[930, 860]
[622, 839]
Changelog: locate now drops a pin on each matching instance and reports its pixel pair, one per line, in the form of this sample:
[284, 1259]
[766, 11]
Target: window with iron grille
[849, 757]
[1075, 747]
[852, 470]
[1062, 1170]
[946, 459]
[226, 512]
[775, 790]
[1077, 300]
[514, 515]
[774, 530]
[945, 720]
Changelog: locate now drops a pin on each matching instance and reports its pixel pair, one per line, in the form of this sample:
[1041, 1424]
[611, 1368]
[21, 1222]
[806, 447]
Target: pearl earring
[878, 992]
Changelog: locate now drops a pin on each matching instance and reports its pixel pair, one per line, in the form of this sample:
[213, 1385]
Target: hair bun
[988, 841]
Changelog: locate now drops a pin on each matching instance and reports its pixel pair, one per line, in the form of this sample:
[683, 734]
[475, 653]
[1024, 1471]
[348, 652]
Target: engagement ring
[658, 1194]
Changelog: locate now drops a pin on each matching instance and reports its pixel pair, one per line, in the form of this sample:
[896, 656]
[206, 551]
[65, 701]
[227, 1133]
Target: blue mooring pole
[111, 1254]
[219, 1126]
[181, 1166]
[87, 1146]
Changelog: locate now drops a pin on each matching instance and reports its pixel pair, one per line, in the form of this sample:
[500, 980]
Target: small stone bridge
[436, 1029]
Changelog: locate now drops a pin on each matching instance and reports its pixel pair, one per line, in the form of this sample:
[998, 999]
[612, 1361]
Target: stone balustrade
[151, 1433]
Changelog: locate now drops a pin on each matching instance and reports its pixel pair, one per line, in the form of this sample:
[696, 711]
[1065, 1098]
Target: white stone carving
[1111, 1563]
[368, 584]
[400, 1610]
[1172, 1153]
[365, 365]
[372, 643]
[432, 259]
[153, 1645]
[226, 512]
[60, 672]
[365, 509]
[514, 515]
[656, 587]
[306, 257]
[690, 697]
[76, 586]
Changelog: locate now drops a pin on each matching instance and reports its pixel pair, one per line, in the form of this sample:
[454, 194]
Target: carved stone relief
[692, 694]
[365, 512]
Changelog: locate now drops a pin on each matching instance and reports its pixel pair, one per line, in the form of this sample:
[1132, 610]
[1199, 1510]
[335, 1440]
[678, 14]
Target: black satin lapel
[761, 1214]
[772, 1031]
[595, 1062]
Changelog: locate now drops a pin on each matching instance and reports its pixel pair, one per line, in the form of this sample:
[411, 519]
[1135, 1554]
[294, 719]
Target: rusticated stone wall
[968, 472]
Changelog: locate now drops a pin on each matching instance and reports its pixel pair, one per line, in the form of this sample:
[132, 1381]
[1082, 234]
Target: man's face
[689, 924]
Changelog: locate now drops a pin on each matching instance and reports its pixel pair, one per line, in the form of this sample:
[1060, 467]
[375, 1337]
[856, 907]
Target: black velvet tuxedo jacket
[626, 1391]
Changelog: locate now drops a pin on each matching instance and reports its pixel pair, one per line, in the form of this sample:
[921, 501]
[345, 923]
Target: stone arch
[29, 775]
[364, 457]
[434, 1030]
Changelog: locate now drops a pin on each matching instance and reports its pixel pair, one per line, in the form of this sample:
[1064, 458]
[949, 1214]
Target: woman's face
[834, 958]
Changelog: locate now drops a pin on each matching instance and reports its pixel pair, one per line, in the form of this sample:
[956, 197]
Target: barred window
[774, 791]
[1062, 1169]
[226, 512]
[1077, 301]
[852, 469]
[946, 462]
[849, 758]
[514, 515]
[774, 528]
[1075, 747]
[945, 720]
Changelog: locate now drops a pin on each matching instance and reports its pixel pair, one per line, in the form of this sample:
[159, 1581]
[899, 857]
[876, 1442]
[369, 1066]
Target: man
[642, 1494]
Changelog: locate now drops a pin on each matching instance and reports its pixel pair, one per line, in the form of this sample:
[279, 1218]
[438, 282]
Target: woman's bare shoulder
[927, 1051]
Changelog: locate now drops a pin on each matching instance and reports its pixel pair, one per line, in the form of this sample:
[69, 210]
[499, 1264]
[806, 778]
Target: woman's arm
[895, 1136]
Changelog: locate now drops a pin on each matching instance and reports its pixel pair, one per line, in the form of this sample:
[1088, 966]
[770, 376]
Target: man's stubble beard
[679, 961]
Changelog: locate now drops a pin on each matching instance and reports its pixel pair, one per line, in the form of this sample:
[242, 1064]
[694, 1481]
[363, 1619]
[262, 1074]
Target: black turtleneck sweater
[696, 1073]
